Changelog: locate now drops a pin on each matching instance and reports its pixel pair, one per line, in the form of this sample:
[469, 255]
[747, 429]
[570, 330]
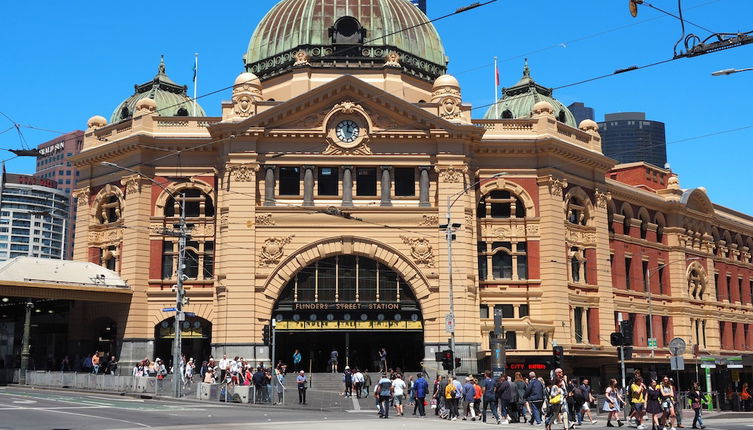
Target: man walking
[585, 387]
[300, 380]
[420, 388]
[489, 399]
[469, 392]
[348, 381]
[534, 395]
[358, 382]
[384, 394]
[450, 396]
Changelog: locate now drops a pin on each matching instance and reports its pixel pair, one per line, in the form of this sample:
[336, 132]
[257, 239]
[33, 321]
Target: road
[31, 409]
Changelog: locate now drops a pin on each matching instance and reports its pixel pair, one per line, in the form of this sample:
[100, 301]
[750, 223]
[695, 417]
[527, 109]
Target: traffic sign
[677, 363]
[677, 346]
[708, 362]
[449, 323]
[652, 343]
[169, 310]
[191, 314]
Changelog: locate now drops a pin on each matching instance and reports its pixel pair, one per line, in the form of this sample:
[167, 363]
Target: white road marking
[85, 415]
[24, 402]
[356, 405]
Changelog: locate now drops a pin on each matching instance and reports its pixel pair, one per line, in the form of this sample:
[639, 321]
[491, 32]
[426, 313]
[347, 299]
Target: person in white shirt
[223, 367]
[398, 391]
[358, 382]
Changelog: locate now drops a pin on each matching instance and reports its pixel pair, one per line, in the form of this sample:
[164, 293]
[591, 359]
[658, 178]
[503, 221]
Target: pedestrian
[222, 365]
[279, 378]
[301, 381]
[383, 392]
[534, 395]
[477, 396]
[468, 394]
[489, 397]
[585, 409]
[503, 393]
[382, 360]
[420, 388]
[296, 360]
[95, 362]
[358, 380]
[333, 356]
[612, 403]
[555, 394]
[440, 384]
[258, 381]
[697, 400]
[653, 404]
[668, 403]
[348, 381]
[398, 393]
[112, 365]
[746, 396]
[451, 399]
[638, 401]
[366, 382]
[520, 394]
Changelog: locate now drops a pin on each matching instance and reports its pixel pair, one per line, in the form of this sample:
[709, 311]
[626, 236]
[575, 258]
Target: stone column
[386, 186]
[269, 185]
[347, 185]
[308, 185]
[423, 186]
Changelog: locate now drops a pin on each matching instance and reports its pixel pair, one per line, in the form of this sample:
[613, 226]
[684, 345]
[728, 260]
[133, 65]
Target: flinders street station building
[316, 200]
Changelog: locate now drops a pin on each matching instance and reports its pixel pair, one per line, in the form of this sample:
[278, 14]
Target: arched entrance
[196, 337]
[355, 305]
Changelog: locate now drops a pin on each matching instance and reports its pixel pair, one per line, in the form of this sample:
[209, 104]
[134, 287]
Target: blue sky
[63, 62]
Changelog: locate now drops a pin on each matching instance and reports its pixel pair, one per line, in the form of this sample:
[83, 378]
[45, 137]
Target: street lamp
[180, 293]
[726, 72]
[449, 228]
[648, 281]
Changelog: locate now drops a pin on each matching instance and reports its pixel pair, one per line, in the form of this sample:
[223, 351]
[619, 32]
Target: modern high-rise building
[581, 111]
[421, 4]
[628, 138]
[33, 217]
[53, 164]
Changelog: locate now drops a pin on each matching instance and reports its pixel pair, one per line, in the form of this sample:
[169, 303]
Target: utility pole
[622, 362]
[499, 355]
[25, 349]
[179, 296]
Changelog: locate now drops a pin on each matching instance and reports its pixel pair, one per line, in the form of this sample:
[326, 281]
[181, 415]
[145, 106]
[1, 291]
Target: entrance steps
[331, 382]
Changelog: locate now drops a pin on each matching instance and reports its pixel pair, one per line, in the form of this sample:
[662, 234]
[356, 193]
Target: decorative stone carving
[602, 199]
[133, 183]
[556, 186]
[420, 250]
[385, 122]
[246, 92]
[273, 250]
[312, 121]
[82, 196]
[347, 110]
[243, 172]
[111, 236]
[429, 221]
[301, 59]
[392, 60]
[517, 231]
[673, 183]
[347, 107]
[585, 237]
[446, 93]
[264, 219]
[451, 174]
[224, 217]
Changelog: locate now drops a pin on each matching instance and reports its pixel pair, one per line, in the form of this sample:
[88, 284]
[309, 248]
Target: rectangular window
[751, 296]
[644, 268]
[484, 311]
[740, 289]
[346, 278]
[716, 285]
[306, 284]
[666, 335]
[522, 260]
[660, 274]
[628, 265]
[290, 181]
[511, 340]
[167, 260]
[387, 284]
[482, 262]
[405, 181]
[366, 181]
[522, 311]
[367, 280]
[729, 288]
[328, 181]
[508, 311]
[501, 261]
[578, 321]
[208, 268]
[326, 280]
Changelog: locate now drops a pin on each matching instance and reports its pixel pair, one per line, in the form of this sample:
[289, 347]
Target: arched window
[124, 113]
[198, 204]
[507, 114]
[578, 265]
[644, 224]
[627, 221]
[182, 112]
[507, 260]
[561, 117]
[109, 257]
[501, 204]
[577, 211]
[109, 209]
[198, 259]
[660, 224]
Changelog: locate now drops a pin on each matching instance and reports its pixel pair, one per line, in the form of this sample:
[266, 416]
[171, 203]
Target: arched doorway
[105, 330]
[352, 304]
[196, 338]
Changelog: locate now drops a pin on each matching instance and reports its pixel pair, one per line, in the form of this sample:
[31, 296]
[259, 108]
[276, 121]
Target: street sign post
[652, 344]
[449, 323]
[169, 309]
[677, 363]
[677, 346]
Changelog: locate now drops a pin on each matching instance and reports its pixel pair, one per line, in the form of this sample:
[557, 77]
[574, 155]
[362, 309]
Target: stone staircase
[330, 382]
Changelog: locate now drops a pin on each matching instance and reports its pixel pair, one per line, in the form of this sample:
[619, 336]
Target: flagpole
[496, 89]
[195, 80]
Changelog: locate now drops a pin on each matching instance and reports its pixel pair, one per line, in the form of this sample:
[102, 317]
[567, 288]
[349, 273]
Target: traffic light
[557, 354]
[616, 339]
[265, 334]
[626, 327]
[447, 359]
[458, 362]
[628, 352]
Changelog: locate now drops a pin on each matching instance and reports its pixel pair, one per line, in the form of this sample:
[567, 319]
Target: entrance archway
[196, 338]
[355, 305]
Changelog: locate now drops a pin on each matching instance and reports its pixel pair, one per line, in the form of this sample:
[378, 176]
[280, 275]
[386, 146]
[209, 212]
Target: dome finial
[161, 67]
[526, 69]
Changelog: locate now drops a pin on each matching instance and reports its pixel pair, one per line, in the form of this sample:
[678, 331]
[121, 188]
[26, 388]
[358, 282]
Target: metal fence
[269, 394]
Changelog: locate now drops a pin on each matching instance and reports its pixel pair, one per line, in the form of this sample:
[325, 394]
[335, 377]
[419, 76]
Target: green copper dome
[345, 33]
[518, 100]
[171, 98]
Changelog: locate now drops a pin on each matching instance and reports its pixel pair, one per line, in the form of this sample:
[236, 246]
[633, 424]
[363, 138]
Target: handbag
[556, 400]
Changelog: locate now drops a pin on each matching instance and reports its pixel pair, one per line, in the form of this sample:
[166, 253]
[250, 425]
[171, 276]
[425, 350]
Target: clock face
[347, 131]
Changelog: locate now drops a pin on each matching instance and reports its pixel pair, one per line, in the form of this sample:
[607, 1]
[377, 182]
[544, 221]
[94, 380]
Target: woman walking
[668, 403]
[696, 403]
[653, 404]
[612, 404]
[556, 397]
